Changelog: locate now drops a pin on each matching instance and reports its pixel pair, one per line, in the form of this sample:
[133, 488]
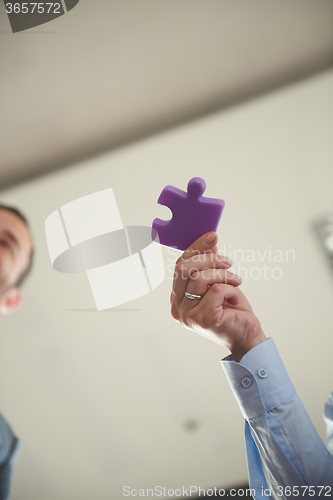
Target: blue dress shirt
[9, 449]
[285, 455]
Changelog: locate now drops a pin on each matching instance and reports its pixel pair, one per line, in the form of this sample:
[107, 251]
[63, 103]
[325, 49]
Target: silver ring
[191, 296]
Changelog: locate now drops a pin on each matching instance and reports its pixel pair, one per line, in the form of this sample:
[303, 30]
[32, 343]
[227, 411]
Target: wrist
[245, 345]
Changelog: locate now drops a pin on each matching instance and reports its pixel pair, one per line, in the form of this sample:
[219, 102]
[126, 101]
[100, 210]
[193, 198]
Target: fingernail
[209, 238]
[227, 260]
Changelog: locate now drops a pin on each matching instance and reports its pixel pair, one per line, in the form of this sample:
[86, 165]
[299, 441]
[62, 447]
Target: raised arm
[286, 457]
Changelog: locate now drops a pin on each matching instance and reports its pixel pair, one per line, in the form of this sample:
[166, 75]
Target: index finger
[206, 243]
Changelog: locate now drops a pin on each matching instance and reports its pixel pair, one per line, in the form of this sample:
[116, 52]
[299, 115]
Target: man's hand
[223, 315]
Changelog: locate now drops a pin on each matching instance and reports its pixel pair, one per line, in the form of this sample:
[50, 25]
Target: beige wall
[100, 399]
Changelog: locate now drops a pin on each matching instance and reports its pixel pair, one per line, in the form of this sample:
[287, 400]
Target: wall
[101, 400]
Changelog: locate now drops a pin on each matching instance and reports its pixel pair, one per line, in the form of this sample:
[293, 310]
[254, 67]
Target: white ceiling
[110, 72]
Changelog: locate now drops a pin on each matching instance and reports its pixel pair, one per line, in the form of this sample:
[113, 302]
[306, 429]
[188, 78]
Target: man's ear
[11, 300]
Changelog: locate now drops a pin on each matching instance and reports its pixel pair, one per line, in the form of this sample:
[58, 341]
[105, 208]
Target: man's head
[16, 252]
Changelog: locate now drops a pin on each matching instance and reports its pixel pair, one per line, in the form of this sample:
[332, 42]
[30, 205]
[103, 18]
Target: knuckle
[180, 259]
[174, 312]
[193, 271]
[216, 287]
[194, 275]
[181, 269]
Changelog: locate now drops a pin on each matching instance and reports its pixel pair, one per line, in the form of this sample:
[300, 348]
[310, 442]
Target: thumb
[206, 243]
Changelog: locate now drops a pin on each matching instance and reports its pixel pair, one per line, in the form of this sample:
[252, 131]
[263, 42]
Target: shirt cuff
[259, 381]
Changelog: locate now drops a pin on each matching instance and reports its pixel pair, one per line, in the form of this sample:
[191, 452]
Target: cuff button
[246, 382]
[262, 373]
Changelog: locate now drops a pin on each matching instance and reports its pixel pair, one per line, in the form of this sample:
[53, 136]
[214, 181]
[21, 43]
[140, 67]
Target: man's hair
[19, 214]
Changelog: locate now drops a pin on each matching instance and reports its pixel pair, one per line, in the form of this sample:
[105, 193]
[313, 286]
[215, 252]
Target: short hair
[19, 214]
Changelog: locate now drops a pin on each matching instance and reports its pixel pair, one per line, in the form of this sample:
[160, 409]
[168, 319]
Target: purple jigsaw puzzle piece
[193, 215]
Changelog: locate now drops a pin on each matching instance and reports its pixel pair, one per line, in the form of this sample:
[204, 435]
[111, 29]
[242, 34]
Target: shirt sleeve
[328, 417]
[283, 447]
[9, 450]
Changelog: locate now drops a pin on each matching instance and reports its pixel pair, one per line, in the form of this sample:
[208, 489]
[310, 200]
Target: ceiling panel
[111, 72]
